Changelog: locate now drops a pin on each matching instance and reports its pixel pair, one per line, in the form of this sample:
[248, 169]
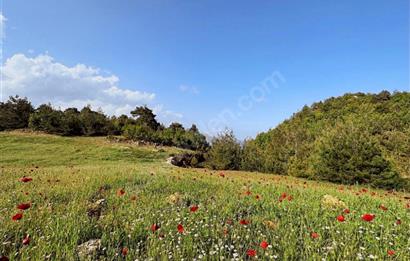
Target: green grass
[70, 174]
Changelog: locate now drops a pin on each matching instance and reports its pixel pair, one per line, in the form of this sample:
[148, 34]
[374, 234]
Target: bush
[71, 123]
[94, 123]
[46, 119]
[251, 156]
[174, 135]
[15, 113]
[137, 132]
[225, 152]
[348, 154]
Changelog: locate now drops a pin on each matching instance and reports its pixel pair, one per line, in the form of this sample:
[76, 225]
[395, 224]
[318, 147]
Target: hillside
[127, 203]
[355, 138]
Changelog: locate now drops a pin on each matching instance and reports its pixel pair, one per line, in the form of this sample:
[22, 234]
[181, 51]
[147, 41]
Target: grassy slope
[71, 172]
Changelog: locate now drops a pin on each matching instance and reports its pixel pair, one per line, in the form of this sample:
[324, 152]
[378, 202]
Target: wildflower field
[88, 199]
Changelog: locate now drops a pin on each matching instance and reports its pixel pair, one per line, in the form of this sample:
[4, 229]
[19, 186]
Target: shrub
[251, 156]
[15, 113]
[225, 152]
[348, 154]
[71, 123]
[94, 123]
[145, 117]
[46, 119]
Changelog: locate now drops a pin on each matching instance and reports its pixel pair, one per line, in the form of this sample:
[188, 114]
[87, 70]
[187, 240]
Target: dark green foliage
[141, 133]
[174, 135]
[18, 113]
[225, 152]
[251, 158]
[188, 160]
[71, 123]
[46, 119]
[15, 113]
[94, 123]
[347, 153]
[145, 117]
[146, 128]
[117, 124]
[384, 120]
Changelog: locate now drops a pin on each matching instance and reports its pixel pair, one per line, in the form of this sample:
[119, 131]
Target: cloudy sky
[237, 64]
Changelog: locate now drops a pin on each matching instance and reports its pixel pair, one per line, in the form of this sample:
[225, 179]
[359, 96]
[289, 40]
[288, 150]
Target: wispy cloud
[167, 116]
[189, 89]
[3, 20]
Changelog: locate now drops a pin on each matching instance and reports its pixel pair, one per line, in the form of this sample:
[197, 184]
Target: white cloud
[188, 89]
[44, 80]
[166, 116]
[3, 20]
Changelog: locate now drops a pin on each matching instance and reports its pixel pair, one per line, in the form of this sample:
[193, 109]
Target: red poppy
[26, 240]
[340, 218]
[194, 208]
[124, 251]
[314, 235]
[4, 258]
[17, 216]
[154, 227]
[247, 193]
[26, 179]
[24, 206]
[222, 175]
[382, 207]
[251, 252]
[258, 197]
[244, 222]
[180, 228]
[346, 211]
[368, 217]
[120, 192]
[398, 222]
[264, 244]
[282, 197]
[391, 252]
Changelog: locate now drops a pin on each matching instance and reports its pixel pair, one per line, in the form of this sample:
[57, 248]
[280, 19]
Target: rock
[187, 160]
[96, 209]
[89, 249]
[175, 198]
[272, 225]
[169, 160]
[331, 202]
[102, 202]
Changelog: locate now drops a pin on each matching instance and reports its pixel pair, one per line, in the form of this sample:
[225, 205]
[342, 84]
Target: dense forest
[355, 138]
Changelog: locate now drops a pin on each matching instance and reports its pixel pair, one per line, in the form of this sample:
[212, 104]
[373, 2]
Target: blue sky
[203, 61]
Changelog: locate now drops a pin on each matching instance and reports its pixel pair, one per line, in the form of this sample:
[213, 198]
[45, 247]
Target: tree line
[18, 113]
[353, 139]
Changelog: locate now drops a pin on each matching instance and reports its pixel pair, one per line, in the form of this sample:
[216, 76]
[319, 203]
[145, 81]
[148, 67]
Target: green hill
[355, 138]
[86, 198]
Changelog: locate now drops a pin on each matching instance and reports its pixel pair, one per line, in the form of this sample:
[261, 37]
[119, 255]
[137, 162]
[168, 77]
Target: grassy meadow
[140, 208]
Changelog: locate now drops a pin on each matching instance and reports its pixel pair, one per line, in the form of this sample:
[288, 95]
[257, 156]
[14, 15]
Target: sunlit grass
[71, 174]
